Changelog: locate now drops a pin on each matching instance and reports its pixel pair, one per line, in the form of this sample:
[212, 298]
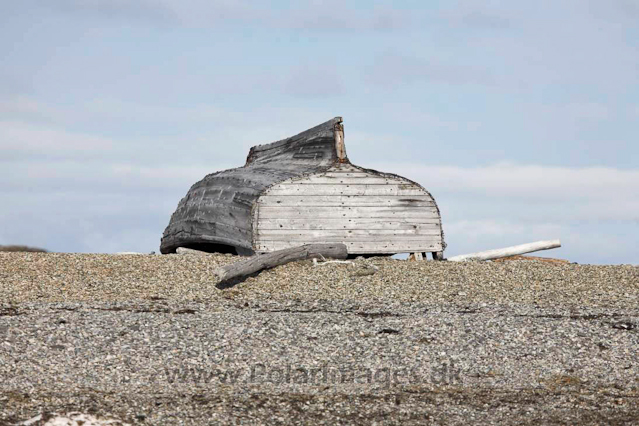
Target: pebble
[149, 339]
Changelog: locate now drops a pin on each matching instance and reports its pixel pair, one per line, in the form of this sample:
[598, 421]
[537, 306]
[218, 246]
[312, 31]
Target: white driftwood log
[280, 257]
[508, 251]
[184, 250]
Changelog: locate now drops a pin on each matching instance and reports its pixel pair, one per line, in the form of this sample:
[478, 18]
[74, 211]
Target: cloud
[414, 117]
[314, 82]
[13, 82]
[115, 9]
[477, 16]
[392, 69]
[20, 140]
[624, 10]
[25, 108]
[76, 177]
[579, 111]
[529, 182]
[313, 16]
[476, 19]
[627, 7]
[337, 16]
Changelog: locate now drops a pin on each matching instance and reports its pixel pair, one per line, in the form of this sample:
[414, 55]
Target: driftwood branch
[508, 251]
[280, 257]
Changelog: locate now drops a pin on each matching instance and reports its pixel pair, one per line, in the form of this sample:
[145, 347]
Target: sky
[521, 118]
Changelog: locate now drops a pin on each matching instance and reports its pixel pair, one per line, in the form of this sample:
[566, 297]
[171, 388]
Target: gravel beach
[149, 339]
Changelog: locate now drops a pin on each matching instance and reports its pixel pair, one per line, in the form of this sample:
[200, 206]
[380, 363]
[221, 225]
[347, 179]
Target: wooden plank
[349, 223]
[340, 148]
[344, 200]
[317, 213]
[314, 189]
[358, 223]
[366, 247]
[347, 174]
[410, 245]
[351, 233]
[414, 257]
[379, 239]
[334, 180]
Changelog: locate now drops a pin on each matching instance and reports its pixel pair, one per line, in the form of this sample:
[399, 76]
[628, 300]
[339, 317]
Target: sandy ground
[155, 340]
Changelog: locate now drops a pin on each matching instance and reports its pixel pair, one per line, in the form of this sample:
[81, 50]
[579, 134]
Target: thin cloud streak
[324, 17]
[393, 69]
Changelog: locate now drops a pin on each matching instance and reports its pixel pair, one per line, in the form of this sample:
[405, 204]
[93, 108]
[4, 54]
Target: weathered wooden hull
[303, 190]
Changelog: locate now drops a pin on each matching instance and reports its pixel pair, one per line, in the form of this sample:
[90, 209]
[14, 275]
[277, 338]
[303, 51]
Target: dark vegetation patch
[9, 311]
[14, 248]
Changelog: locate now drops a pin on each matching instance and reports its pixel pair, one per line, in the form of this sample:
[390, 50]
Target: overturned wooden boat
[304, 190]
